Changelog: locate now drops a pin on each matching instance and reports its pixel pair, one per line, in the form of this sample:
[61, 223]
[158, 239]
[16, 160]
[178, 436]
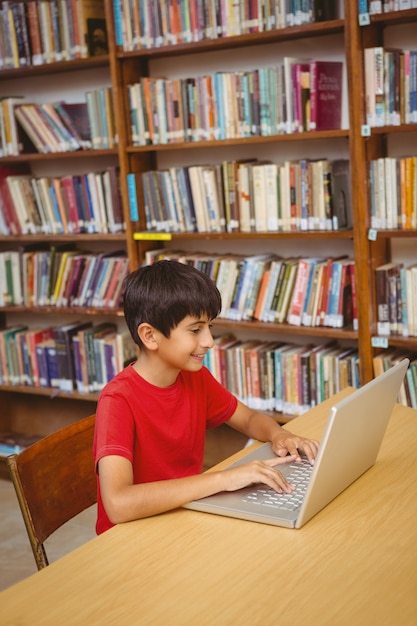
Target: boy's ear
[148, 335]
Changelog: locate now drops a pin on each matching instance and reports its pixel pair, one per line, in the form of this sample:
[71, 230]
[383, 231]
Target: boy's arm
[125, 501]
[264, 428]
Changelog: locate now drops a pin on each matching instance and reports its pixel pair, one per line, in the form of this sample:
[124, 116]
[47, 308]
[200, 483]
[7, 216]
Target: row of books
[393, 192]
[14, 443]
[373, 7]
[295, 95]
[154, 24]
[75, 356]
[58, 126]
[387, 359]
[288, 378]
[36, 32]
[245, 196]
[390, 86]
[88, 203]
[396, 299]
[61, 276]
[297, 291]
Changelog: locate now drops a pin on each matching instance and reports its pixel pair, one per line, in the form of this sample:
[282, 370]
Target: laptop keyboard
[299, 476]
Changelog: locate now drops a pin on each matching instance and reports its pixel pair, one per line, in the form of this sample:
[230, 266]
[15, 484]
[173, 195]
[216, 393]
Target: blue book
[118, 28]
[88, 203]
[59, 227]
[133, 201]
[218, 103]
[52, 363]
[264, 102]
[362, 6]
[333, 301]
[6, 450]
[42, 365]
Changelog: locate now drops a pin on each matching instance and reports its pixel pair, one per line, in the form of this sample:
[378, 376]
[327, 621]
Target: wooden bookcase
[36, 410]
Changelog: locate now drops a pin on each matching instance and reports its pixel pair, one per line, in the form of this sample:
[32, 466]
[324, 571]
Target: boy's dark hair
[166, 292]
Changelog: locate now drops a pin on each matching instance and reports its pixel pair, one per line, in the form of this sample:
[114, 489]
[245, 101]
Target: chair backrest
[54, 480]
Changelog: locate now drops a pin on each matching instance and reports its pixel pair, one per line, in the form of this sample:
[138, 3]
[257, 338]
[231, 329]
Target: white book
[271, 196]
[259, 197]
[211, 190]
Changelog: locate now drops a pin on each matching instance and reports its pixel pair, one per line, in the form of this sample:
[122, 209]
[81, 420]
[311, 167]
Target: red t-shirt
[160, 430]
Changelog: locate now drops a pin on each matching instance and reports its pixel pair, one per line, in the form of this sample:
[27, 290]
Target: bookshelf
[32, 410]
[226, 53]
[390, 31]
[343, 38]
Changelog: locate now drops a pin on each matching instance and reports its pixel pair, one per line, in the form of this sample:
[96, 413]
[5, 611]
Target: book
[291, 121]
[9, 212]
[35, 337]
[11, 143]
[116, 221]
[324, 10]
[341, 194]
[286, 290]
[386, 297]
[300, 291]
[374, 86]
[325, 95]
[74, 116]
[64, 353]
[87, 360]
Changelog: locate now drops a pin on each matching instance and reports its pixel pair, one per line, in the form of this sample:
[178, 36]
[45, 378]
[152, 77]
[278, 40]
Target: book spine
[133, 201]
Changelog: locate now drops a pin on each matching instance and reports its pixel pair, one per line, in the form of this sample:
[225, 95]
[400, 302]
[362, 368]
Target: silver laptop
[349, 447]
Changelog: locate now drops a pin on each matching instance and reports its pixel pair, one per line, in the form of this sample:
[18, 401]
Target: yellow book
[63, 269]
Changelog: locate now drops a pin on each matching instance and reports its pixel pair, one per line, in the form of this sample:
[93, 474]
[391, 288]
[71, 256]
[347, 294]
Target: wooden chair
[54, 480]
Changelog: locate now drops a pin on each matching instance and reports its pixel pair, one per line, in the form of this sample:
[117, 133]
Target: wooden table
[353, 563]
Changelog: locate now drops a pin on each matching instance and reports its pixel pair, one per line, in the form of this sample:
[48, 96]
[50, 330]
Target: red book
[325, 95]
[67, 185]
[32, 17]
[6, 203]
[298, 295]
[324, 293]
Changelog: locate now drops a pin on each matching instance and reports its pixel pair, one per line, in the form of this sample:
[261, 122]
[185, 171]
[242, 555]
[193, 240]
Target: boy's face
[187, 344]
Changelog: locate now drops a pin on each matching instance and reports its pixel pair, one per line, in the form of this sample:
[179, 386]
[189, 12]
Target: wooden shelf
[238, 141]
[58, 156]
[58, 67]
[306, 31]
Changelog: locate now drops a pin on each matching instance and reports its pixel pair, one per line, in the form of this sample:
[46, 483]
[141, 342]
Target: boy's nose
[207, 339]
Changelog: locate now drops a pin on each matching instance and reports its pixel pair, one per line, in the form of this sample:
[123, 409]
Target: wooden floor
[16, 559]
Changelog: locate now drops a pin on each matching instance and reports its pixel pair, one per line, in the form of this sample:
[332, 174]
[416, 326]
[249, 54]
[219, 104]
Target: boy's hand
[259, 472]
[286, 443]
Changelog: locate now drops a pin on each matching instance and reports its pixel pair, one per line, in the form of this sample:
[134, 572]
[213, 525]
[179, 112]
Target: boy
[152, 417]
